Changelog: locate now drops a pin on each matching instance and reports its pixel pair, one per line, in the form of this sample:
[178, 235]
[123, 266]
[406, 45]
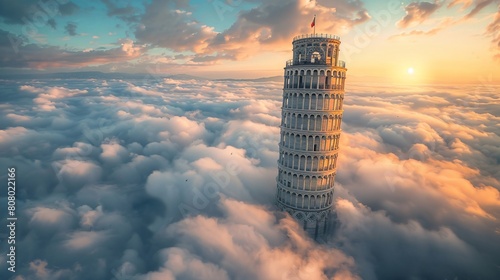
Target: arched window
[315, 57]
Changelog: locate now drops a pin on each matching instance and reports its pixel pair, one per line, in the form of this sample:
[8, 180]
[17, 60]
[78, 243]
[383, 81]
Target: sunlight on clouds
[84, 240]
[140, 173]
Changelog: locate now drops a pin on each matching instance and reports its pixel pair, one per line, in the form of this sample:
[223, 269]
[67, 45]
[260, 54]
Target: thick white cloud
[173, 179]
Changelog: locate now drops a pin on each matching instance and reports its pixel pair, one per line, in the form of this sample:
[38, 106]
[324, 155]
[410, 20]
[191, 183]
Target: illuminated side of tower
[310, 129]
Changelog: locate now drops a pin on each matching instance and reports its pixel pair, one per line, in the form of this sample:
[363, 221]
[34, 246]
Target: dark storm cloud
[175, 179]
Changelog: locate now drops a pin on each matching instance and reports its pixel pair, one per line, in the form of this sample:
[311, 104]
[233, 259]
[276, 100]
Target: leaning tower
[310, 129]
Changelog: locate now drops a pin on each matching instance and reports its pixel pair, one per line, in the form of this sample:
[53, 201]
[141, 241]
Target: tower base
[318, 225]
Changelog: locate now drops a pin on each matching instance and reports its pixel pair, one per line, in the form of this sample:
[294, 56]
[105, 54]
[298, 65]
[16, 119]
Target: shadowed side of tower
[311, 116]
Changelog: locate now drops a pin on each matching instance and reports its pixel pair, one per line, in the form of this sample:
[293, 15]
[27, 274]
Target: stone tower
[310, 129]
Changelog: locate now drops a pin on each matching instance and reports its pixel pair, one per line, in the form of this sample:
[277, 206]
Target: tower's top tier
[316, 36]
[316, 49]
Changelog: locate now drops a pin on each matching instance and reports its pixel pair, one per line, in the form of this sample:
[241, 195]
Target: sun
[410, 70]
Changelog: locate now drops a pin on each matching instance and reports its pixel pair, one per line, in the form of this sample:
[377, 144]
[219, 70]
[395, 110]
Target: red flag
[313, 23]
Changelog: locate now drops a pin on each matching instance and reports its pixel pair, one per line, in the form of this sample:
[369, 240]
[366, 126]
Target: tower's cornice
[291, 64]
[316, 36]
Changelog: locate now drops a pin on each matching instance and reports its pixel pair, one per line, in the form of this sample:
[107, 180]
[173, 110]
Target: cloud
[265, 27]
[465, 3]
[417, 12]
[493, 31]
[271, 24]
[168, 27]
[84, 239]
[478, 7]
[32, 11]
[127, 13]
[443, 24]
[17, 53]
[267, 255]
[172, 179]
[47, 97]
[113, 152]
[71, 28]
[52, 23]
[379, 235]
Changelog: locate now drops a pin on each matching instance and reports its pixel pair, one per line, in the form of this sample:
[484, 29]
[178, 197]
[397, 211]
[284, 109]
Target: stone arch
[307, 101]
[315, 163]
[334, 79]
[314, 79]
[320, 102]
[301, 79]
[328, 79]
[318, 123]
[324, 123]
[308, 143]
[327, 102]
[308, 79]
[293, 200]
[295, 162]
[301, 182]
[317, 146]
[324, 143]
[306, 121]
[301, 101]
[295, 181]
[322, 79]
[307, 185]
[312, 186]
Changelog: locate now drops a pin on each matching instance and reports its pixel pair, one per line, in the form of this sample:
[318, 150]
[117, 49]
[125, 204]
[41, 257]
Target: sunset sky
[444, 42]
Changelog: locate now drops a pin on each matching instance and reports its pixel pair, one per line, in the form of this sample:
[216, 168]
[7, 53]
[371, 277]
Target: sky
[444, 42]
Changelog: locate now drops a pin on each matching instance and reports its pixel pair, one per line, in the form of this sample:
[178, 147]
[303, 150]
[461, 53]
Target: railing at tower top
[317, 35]
[340, 63]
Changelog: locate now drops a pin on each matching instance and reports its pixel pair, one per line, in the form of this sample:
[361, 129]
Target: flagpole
[315, 25]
